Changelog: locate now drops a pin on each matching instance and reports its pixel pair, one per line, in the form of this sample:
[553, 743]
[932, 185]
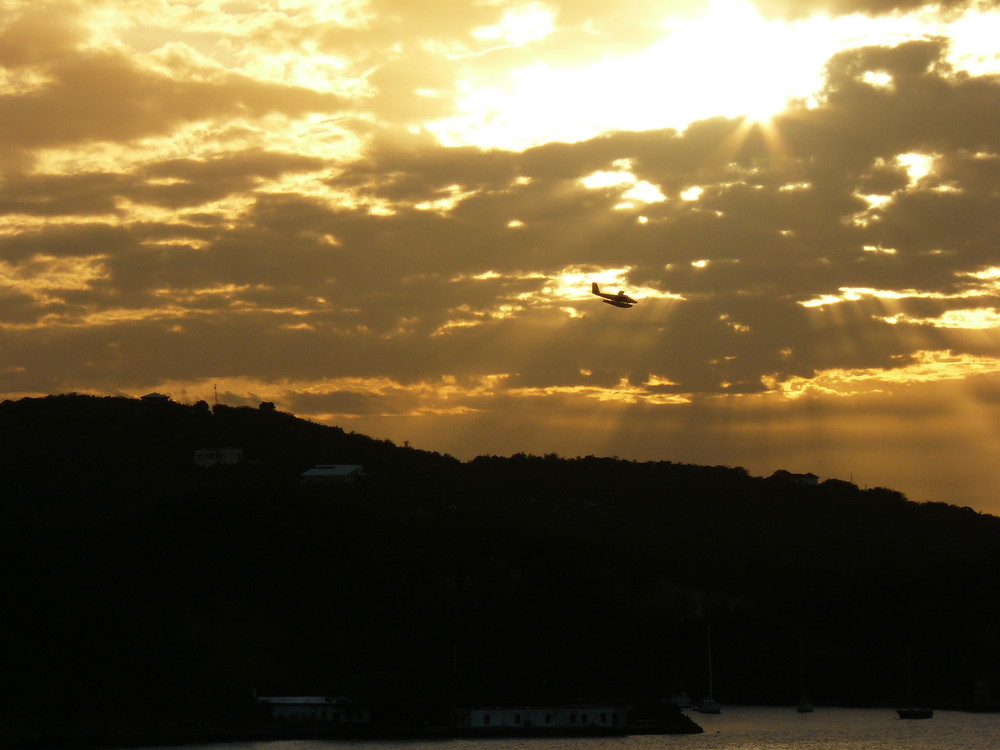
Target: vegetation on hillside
[139, 587]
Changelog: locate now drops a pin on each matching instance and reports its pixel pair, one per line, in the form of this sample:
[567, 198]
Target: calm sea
[737, 728]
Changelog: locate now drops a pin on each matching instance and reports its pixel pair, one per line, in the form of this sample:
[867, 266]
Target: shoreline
[177, 736]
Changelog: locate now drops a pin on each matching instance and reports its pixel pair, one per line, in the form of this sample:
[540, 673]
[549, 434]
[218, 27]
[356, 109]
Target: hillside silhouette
[140, 589]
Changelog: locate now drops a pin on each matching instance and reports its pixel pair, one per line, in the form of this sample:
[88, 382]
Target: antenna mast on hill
[215, 386]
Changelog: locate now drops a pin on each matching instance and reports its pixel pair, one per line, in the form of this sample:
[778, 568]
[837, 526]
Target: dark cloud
[106, 97]
[71, 240]
[84, 95]
[41, 195]
[180, 183]
[37, 37]
[804, 8]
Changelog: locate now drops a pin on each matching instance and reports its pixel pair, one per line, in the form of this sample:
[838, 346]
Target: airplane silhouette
[618, 300]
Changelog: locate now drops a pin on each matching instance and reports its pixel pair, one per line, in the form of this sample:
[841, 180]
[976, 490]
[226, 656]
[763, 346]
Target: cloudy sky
[386, 215]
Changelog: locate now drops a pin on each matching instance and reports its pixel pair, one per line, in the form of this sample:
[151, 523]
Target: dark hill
[139, 587]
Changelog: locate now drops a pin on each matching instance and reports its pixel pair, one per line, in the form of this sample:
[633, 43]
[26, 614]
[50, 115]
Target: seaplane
[618, 300]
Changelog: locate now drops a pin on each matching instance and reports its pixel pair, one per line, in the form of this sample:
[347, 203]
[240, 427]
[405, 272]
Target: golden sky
[386, 215]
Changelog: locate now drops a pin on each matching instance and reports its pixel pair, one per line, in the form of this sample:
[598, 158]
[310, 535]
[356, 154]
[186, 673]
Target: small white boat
[915, 713]
[912, 711]
[681, 700]
[709, 706]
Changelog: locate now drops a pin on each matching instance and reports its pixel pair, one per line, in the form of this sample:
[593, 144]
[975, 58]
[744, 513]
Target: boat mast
[710, 693]
[802, 668]
[909, 673]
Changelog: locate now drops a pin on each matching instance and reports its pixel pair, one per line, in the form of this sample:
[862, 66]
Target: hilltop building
[787, 476]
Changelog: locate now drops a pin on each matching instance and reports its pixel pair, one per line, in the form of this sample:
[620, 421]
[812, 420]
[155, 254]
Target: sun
[730, 61]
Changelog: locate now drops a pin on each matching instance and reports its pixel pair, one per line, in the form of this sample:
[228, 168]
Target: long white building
[575, 718]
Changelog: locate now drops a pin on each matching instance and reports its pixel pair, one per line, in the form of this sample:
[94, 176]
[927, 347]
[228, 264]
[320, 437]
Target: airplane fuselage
[618, 300]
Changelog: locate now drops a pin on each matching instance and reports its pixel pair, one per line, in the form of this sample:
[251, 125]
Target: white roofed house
[792, 478]
[333, 473]
[225, 455]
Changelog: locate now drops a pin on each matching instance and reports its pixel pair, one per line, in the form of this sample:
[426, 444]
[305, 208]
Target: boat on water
[912, 711]
[804, 706]
[681, 700]
[708, 704]
[552, 721]
[915, 713]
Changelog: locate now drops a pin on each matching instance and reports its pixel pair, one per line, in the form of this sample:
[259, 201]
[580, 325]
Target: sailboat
[912, 711]
[915, 712]
[804, 706]
[708, 704]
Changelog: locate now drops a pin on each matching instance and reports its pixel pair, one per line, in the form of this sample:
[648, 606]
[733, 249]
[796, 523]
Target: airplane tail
[594, 289]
